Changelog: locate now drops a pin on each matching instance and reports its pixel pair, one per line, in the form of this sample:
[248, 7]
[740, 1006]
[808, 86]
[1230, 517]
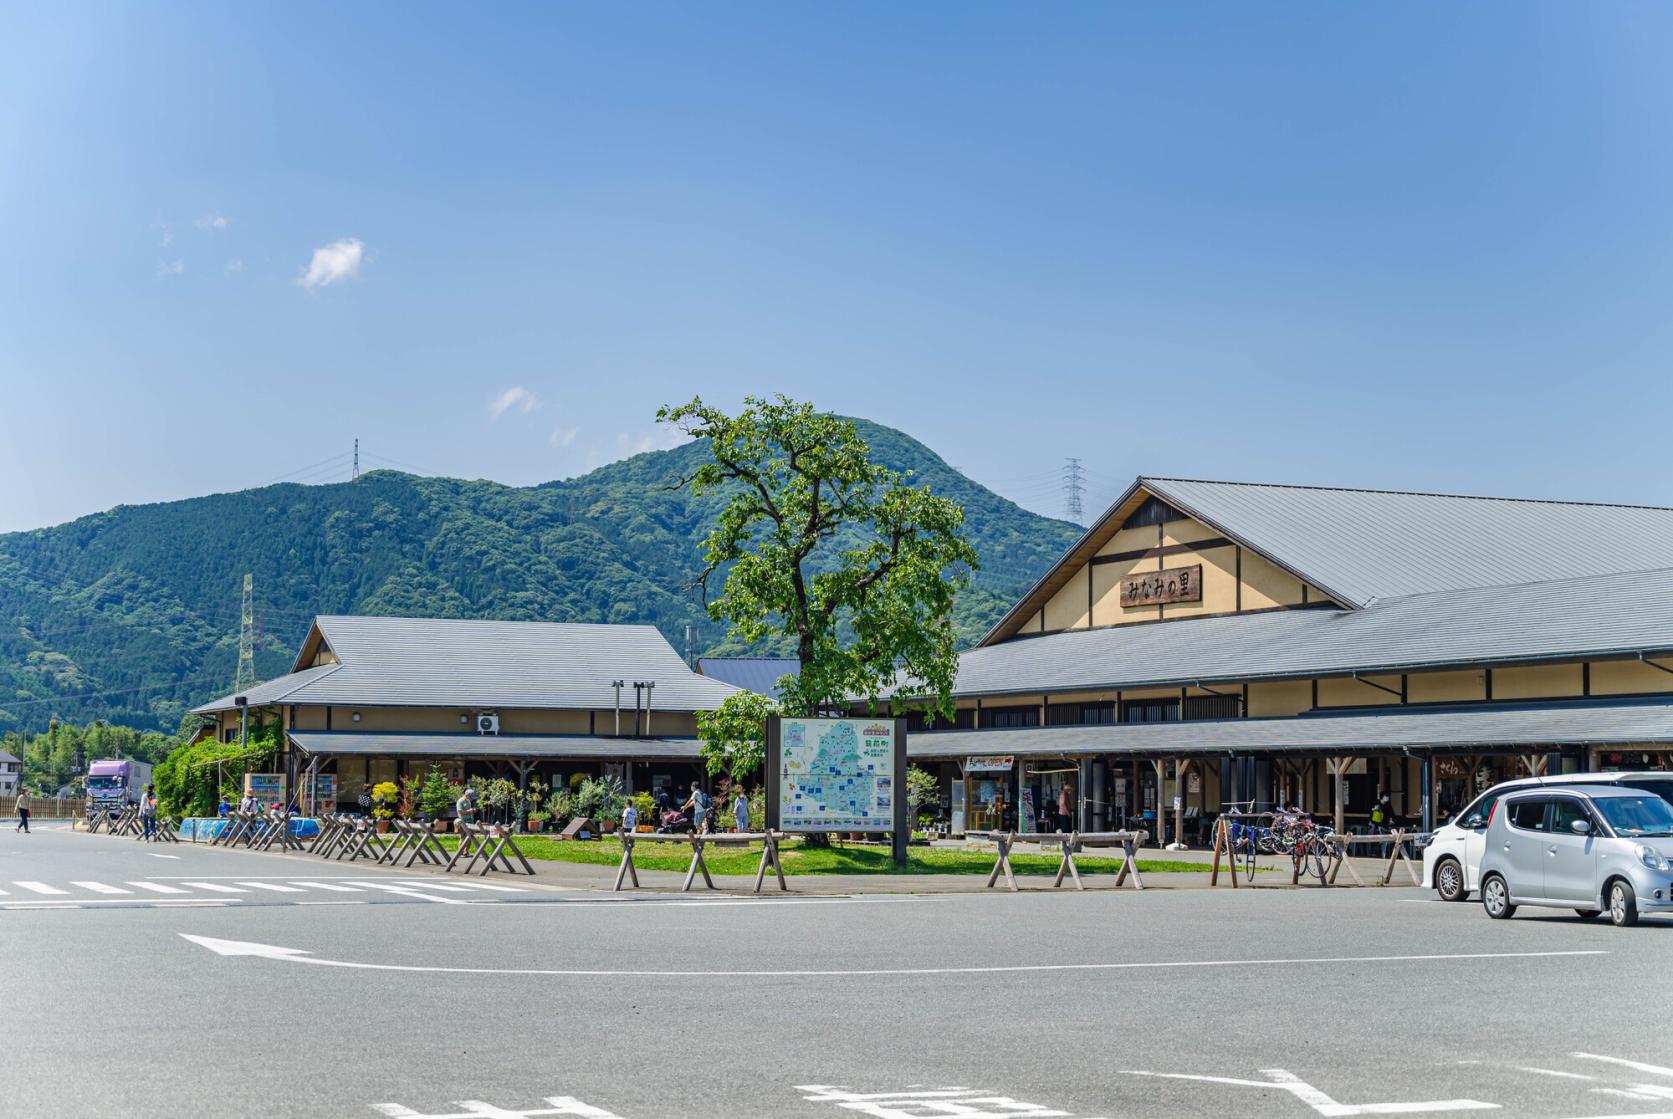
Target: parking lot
[482, 1002]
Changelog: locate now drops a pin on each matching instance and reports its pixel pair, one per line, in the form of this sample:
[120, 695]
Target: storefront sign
[1151, 588]
[993, 763]
[267, 788]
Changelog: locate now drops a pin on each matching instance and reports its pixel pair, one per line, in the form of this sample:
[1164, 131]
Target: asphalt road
[375, 993]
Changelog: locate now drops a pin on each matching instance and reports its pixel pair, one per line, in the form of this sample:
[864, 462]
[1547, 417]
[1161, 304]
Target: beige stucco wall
[1446, 687]
[1280, 698]
[1350, 692]
[1538, 682]
[1219, 582]
[1629, 677]
[1067, 608]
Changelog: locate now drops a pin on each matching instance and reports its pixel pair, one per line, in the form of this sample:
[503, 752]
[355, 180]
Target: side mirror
[1581, 827]
[1475, 822]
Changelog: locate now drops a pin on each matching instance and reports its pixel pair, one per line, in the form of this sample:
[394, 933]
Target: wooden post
[1005, 839]
[769, 851]
[1181, 768]
[1339, 772]
[1160, 766]
[627, 868]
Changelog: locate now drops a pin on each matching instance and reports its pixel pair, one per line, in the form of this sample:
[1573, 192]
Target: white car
[1452, 860]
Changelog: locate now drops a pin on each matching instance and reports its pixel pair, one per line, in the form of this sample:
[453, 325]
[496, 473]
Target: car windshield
[1636, 816]
[104, 782]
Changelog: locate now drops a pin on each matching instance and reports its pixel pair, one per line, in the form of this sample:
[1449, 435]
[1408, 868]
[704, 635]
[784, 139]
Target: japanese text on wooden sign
[1152, 588]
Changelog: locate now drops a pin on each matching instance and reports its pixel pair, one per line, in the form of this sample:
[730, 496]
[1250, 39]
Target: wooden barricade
[362, 841]
[1396, 839]
[332, 828]
[127, 822]
[1223, 846]
[769, 841]
[1068, 843]
[487, 844]
[276, 830]
[163, 831]
[417, 842]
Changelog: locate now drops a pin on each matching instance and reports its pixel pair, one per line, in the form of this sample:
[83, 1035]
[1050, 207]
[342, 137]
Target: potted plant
[536, 821]
[437, 795]
[560, 806]
[645, 805]
[385, 795]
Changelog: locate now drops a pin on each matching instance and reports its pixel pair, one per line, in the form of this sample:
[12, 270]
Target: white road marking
[1287, 1081]
[1553, 1072]
[40, 888]
[1623, 1093]
[154, 855]
[967, 1103]
[4, 893]
[216, 887]
[491, 886]
[304, 956]
[1636, 1066]
[274, 886]
[433, 886]
[157, 887]
[101, 888]
[328, 886]
[1632, 1115]
[561, 1105]
[408, 892]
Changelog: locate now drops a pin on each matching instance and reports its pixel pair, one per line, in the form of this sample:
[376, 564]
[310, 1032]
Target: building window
[1080, 714]
[1150, 711]
[997, 717]
[1212, 707]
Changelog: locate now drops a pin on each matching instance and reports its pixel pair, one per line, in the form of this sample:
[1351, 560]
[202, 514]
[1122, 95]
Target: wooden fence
[44, 808]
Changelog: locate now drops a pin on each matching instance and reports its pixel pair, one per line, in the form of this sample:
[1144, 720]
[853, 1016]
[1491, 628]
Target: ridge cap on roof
[479, 621]
[1406, 493]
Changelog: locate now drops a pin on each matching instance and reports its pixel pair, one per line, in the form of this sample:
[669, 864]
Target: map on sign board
[837, 775]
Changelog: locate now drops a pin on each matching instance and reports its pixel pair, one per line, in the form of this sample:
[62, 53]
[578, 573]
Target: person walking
[466, 805]
[740, 810]
[697, 808]
[23, 810]
[148, 812]
[630, 818]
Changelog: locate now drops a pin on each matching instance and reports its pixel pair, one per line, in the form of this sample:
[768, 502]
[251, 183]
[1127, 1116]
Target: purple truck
[113, 784]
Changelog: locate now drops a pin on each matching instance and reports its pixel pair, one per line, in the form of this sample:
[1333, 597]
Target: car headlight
[1652, 858]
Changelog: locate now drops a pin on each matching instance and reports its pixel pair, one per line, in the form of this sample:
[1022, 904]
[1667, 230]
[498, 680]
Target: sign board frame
[773, 763]
[1157, 588]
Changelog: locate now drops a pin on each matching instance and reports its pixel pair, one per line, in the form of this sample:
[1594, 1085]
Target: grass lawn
[801, 859]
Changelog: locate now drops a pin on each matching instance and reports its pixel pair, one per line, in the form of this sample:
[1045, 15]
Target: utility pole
[356, 473]
[1074, 482]
[246, 675]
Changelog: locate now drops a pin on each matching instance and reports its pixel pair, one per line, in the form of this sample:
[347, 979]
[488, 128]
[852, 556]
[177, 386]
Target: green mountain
[133, 615]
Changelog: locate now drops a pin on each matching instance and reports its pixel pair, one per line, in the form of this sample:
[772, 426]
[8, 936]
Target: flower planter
[646, 828]
[535, 825]
[442, 826]
[383, 825]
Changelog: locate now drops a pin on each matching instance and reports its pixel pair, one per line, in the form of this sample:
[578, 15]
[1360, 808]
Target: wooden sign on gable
[1153, 588]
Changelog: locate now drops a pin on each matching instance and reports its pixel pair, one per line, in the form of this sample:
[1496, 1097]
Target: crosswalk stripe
[40, 887]
[411, 884]
[157, 887]
[3, 893]
[101, 888]
[410, 892]
[333, 886]
[216, 887]
[491, 886]
[274, 886]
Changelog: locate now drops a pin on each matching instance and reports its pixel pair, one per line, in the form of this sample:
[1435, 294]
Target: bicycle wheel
[1318, 858]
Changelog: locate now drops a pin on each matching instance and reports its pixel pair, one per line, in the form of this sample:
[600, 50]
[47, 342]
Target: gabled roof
[374, 744]
[1358, 545]
[5, 757]
[1603, 615]
[753, 674]
[445, 662]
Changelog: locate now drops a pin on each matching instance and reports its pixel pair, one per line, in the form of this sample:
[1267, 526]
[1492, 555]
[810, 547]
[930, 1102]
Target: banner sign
[267, 788]
[992, 763]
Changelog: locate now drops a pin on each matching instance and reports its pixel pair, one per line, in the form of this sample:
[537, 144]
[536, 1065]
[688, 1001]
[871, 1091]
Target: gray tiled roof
[432, 662]
[1366, 544]
[1505, 726]
[1608, 614]
[494, 745]
[752, 674]
[5, 757]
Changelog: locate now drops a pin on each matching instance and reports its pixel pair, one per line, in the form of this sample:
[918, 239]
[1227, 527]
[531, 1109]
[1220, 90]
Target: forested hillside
[132, 615]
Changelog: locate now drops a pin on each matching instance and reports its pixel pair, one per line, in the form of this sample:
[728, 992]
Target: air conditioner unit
[487, 724]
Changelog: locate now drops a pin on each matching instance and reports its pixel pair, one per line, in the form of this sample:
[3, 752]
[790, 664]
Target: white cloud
[333, 263]
[562, 436]
[234, 266]
[167, 268]
[516, 397]
[661, 438]
[168, 236]
[213, 222]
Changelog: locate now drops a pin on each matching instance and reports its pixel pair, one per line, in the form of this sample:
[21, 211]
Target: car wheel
[1623, 904]
[1589, 914]
[1449, 880]
[1495, 898]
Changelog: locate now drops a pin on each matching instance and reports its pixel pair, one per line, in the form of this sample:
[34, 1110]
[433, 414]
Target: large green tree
[857, 566]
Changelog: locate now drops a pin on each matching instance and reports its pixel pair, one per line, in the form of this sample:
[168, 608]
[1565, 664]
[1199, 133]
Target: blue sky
[1413, 246]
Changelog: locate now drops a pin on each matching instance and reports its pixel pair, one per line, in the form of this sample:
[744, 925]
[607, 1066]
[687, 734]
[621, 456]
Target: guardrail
[1067, 843]
[769, 855]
